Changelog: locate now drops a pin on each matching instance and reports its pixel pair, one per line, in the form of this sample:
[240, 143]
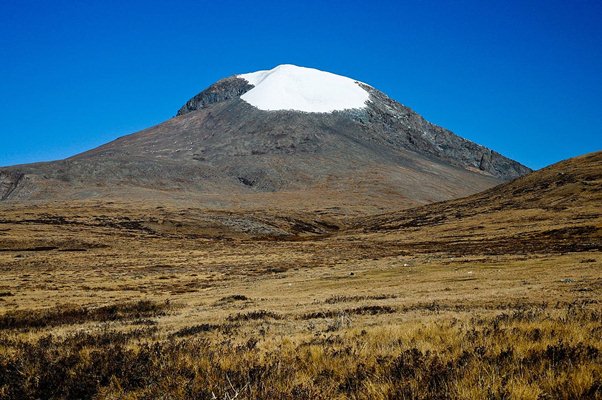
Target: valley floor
[102, 303]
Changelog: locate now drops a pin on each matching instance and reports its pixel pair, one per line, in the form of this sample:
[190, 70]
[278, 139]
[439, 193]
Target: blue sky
[521, 77]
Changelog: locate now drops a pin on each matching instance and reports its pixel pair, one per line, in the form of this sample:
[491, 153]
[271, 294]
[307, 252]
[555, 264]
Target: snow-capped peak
[288, 87]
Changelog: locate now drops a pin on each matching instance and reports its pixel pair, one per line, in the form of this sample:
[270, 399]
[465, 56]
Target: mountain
[287, 137]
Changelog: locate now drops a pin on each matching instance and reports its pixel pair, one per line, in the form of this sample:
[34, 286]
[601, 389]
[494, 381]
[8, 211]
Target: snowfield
[288, 87]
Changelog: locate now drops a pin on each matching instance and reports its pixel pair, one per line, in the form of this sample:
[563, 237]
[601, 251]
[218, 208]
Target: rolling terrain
[495, 295]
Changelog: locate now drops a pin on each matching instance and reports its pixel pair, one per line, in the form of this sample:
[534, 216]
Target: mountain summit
[291, 137]
[288, 87]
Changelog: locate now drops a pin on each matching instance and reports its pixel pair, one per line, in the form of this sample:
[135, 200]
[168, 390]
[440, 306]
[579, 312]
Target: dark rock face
[9, 180]
[222, 90]
[380, 157]
[401, 127]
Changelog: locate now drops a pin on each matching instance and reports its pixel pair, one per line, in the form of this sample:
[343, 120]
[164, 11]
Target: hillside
[556, 209]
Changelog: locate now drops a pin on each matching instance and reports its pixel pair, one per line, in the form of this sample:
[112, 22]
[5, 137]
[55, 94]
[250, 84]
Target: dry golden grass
[474, 299]
[355, 315]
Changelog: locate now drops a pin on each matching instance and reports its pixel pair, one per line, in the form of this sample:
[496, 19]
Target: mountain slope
[221, 149]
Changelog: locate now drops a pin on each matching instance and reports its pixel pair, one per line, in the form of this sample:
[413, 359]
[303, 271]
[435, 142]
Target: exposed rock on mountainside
[9, 180]
[223, 151]
[222, 90]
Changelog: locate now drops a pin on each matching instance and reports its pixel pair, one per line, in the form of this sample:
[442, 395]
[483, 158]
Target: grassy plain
[492, 297]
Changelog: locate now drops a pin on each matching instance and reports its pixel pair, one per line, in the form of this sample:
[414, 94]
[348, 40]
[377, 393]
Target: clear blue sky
[521, 77]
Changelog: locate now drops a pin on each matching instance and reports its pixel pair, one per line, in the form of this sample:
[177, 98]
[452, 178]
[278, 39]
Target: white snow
[288, 87]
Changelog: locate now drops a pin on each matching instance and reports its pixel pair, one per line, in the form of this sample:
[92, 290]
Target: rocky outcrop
[222, 90]
[402, 127]
[9, 181]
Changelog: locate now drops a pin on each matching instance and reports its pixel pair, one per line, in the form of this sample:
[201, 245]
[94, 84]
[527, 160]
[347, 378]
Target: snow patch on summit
[288, 87]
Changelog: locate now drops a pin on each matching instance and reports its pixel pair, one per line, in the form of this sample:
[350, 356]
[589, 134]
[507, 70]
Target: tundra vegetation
[490, 297]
